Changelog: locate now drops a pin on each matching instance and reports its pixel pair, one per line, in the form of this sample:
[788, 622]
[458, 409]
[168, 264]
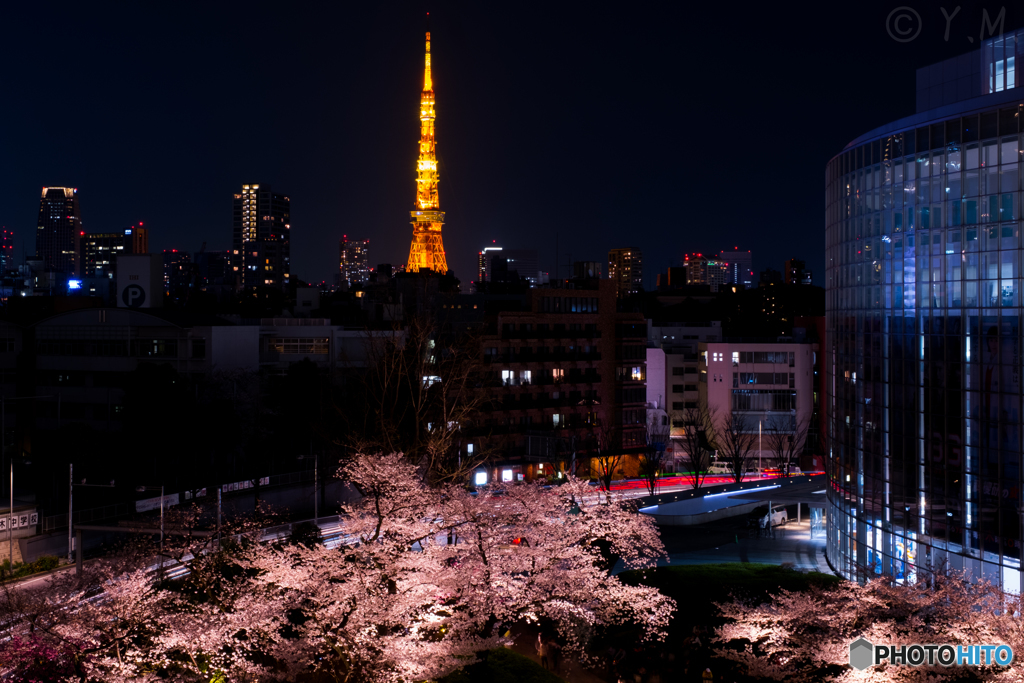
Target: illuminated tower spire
[426, 250]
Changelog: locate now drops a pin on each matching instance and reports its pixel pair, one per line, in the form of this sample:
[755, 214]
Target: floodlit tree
[806, 636]
[426, 577]
[652, 459]
[527, 553]
[430, 573]
[735, 441]
[89, 627]
[698, 427]
[785, 437]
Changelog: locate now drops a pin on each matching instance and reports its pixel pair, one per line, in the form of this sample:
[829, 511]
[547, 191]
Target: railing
[581, 378]
[107, 512]
[551, 334]
[543, 357]
[54, 522]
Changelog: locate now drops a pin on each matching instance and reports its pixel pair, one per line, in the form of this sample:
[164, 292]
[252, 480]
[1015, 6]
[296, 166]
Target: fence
[91, 515]
[87, 516]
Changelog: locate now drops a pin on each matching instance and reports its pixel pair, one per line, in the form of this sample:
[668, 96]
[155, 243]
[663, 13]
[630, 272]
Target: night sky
[672, 127]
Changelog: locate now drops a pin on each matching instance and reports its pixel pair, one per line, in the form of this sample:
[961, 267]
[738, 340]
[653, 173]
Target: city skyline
[164, 119]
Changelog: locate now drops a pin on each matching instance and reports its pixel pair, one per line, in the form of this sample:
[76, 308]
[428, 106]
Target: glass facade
[923, 351]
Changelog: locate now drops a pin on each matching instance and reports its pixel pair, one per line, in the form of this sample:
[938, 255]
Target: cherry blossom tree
[525, 553]
[93, 626]
[433, 572]
[805, 636]
[428, 577]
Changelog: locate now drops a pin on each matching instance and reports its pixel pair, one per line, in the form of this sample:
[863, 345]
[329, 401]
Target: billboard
[140, 281]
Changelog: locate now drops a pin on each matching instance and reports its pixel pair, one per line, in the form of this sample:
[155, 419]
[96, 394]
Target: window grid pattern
[923, 360]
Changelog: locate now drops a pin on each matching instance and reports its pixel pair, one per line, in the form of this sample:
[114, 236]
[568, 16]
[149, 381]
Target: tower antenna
[427, 250]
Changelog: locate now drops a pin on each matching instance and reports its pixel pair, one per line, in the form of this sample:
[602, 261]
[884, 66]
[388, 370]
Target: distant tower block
[427, 251]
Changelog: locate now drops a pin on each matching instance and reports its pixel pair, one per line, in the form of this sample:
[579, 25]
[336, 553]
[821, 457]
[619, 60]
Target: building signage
[19, 521]
[154, 503]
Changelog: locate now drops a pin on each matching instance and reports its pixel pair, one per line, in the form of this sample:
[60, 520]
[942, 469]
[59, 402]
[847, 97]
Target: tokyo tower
[426, 250]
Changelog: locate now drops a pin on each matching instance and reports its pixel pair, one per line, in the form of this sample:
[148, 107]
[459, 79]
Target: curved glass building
[924, 316]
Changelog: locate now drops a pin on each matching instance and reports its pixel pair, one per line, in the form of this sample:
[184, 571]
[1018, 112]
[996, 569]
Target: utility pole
[73, 547]
[759, 449]
[218, 517]
[71, 495]
[140, 489]
[10, 523]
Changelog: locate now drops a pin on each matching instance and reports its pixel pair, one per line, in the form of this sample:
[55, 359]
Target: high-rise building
[525, 262]
[261, 246]
[741, 266]
[353, 261]
[626, 268]
[138, 237]
[797, 273]
[177, 269]
[484, 263]
[701, 270]
[98, 251]
[213, 268]
[58, 229]
[6, 251]
[923, 332]
[427, 251]
[770, 276]
[588, 270]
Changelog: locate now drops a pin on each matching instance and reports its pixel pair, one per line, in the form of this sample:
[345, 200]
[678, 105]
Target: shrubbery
[43, 564]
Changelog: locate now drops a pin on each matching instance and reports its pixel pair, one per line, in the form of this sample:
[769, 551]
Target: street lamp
[10, 518]
[316, 486]
[3, 455]
[141, 489]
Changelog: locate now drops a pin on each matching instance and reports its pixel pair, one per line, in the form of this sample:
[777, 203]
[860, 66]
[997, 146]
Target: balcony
[550, 357]
[550, 334]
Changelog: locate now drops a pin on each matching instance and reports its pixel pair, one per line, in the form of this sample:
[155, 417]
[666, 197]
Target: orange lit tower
[426, 250]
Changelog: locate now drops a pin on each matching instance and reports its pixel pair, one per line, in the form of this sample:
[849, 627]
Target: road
[727, 541]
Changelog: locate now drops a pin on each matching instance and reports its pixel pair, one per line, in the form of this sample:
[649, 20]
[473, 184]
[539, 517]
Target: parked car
[778, 516]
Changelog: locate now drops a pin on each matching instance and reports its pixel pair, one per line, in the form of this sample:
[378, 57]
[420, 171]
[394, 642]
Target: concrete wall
[234, 348]
[716, 385]
[721, 513]
[656, 393]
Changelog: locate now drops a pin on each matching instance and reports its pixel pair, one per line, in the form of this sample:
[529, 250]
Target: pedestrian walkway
[525, 643]
[791, 546]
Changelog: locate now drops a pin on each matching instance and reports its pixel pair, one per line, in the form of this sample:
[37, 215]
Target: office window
[307, 345]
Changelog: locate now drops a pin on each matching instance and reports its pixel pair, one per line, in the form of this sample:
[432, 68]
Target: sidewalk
[525, 643]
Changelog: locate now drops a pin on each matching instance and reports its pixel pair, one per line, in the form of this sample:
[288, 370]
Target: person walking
[542, 651]
[555, 655]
